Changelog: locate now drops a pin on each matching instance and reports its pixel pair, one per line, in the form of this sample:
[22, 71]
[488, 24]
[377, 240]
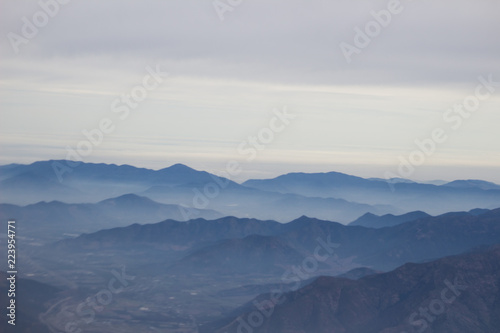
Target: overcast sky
[233, 65]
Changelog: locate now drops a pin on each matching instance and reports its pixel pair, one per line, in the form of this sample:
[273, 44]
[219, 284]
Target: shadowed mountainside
[455, 294]
[30, 299]
[192, 242]
[370, 220]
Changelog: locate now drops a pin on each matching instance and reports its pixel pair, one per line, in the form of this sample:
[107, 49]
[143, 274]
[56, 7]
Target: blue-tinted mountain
[251, 255]
[173, 234]
[31, 297]
[329, 196]
[90, 182]
[249, 202]
[478, 211]
[52, 220]
[29, 187]
[380, 249]
[406, 196]
[455, 294]
[393, 180]
[358, 273]
[374, 221]
[473, 183]
[178, 184]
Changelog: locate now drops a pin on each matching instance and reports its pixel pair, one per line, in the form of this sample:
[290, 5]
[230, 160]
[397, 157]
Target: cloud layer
[226, 77]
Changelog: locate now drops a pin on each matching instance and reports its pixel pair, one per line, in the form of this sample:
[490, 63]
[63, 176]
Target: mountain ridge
[466, 286]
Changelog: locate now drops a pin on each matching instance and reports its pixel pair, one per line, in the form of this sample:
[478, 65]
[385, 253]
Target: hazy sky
[65, 72]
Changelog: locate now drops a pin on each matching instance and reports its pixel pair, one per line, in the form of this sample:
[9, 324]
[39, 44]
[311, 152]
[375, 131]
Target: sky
[370, 88]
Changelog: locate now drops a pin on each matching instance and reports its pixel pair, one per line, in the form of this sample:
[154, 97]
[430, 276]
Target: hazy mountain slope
[351, 246]
[406, 196]
[178, 184]
[387, 248]
[90, 182]
[358, 273]
[473, 183]
[254, 254]
[331, 196]
[182, 235]
[247, 202]
[51, 220]
[31, 187]
[30, 299]
[91, 172]
[458, 294]
[374, 221]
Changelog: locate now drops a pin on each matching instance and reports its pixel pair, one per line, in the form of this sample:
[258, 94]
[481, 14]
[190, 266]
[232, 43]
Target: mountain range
[459, 294]
[30, 298]
[242, 246]
[50, 221]
[330, 196]
[223, 250]
[374, 221]
[408, 196]
[178, 184]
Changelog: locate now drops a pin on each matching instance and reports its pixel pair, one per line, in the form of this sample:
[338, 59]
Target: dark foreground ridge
[459, 294]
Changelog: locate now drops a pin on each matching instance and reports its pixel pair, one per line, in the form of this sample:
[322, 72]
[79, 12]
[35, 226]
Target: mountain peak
[375, 221]
[473, 183]
[178, 167]
[303, 218]
[129, 198]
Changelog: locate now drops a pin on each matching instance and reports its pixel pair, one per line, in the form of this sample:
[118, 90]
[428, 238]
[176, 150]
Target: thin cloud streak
[227, 77]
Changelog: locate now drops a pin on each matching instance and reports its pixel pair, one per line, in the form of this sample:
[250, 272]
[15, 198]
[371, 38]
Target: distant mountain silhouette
[393, 180]
[478, 211]
[51, 220]
[407, 196]
[329, 196]
[192, 244]
[90, 182]
[358, 273]
[177, 184]
[221, 244]
[173, 234]
[30, 186]
[473, 183]
[374, 221]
